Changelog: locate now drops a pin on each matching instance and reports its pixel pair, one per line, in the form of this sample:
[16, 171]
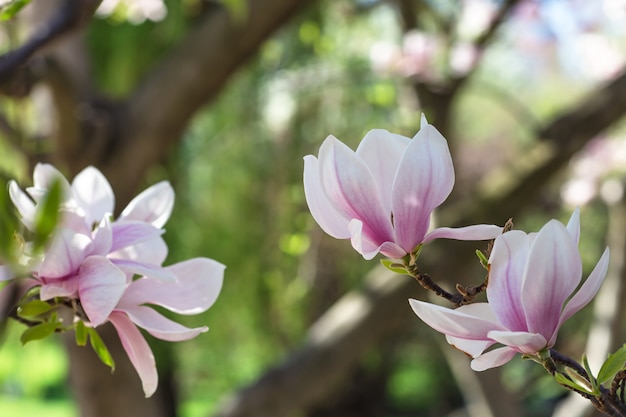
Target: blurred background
[224, 98]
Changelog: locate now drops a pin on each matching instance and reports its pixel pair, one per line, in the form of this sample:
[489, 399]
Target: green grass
[33, 407]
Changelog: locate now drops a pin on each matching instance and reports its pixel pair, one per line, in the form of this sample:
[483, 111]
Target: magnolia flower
[197, 285]
[382, 195]
[531, 293]
[96, 260]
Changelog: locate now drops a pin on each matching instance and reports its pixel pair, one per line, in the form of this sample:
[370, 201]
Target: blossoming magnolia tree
[95, 269]
[381, 198]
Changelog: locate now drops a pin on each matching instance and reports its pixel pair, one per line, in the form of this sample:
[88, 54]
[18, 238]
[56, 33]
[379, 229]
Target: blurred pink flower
[531, 293]
[382, 195]
[96, 259]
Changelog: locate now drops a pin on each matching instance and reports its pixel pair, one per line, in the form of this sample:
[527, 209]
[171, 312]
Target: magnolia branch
[273, 391]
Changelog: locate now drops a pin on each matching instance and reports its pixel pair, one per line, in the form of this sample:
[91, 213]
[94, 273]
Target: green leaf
[81, 333]
[33, 308]
[39, 331]
[10, 9]
[483, 259]
[613, 364]
[563, 380]
[100, 348]
[393, 266]
[47, 215]
[592, 380]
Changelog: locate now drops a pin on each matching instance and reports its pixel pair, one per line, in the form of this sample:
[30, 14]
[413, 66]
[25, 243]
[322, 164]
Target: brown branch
[71, 15]
[190, 77]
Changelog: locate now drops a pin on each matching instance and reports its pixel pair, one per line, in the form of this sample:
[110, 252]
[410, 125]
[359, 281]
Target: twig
[72, 14]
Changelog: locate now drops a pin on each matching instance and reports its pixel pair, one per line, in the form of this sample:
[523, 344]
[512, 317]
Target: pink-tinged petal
[6, 274]
[493, 359]
[467, 322]
[520, 341]
[370, 249]
[138, 351]
[349, 183]
[25, 206]
[587, 291]
[506, 272]
[553, 272]
[331, 220]
[475, 232]
[73, 220]
[94, 194]
[160, 326]
[130, 233]
[424, 180]
[132, 268]
[382, 151]
[153, 205]
[103, 237]
[67, 251]
[573, 225]
[197, 285]
[44, 175]
[64, 287]
[474, 348]
[153, 251]
[100, 287]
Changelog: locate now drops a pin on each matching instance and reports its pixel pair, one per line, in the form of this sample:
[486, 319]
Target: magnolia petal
[197, 286]
[94, 194]
[6, 274]
[471, 322]
[130, 233]
[507, 263]
[520, 341]
[474, 348]
[100, 287]
[25, 206]
[153, 251]
[72, 219]
[44, 175]
[382, 151]
[424, 179]
[587, 291]
[349, 183]
[553, 272]
[64, 287]
[475, 232]
[153, 205]
[573, 225]
[493, 359]
[161, 327]
[141, 268]
[138, 351]
[103, 237]
[66, 253]
[331, 220]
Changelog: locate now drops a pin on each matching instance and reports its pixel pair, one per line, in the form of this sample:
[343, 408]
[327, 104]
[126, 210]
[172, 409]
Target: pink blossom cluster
[113, 268]
[381, 197]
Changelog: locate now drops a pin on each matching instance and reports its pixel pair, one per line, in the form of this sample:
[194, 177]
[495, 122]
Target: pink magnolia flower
[197, 285]
[531, 293]
[95, 259]
[382, 196]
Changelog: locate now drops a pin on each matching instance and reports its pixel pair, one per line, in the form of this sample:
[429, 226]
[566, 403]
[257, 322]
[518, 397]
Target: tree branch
[160, 109]
[71, 15]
